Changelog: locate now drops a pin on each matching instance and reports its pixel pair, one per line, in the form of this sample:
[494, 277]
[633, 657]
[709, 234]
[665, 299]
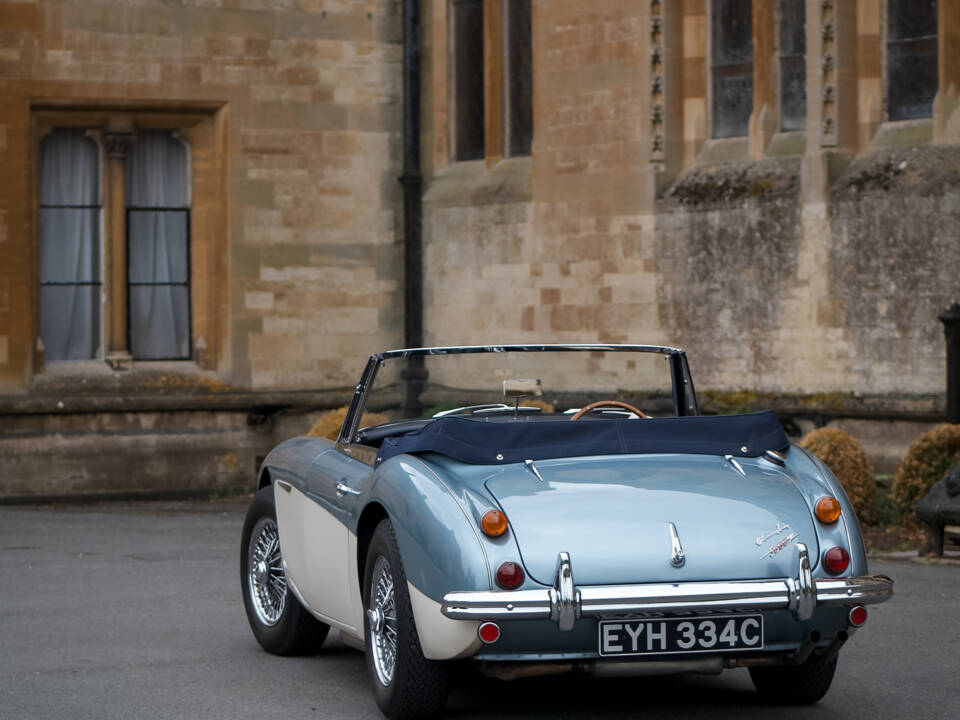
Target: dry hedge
[841, 452]
[329, 424]
[928, 459]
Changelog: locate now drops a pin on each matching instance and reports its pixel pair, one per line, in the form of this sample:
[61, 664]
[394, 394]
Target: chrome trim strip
[528, 464]
[677, 558]
[775, 594]
[736, 466]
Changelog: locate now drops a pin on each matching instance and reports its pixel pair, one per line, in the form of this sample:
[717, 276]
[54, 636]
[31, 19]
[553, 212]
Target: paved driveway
[134, 611]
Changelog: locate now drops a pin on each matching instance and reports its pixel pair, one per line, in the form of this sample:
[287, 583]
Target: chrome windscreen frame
[684, 395]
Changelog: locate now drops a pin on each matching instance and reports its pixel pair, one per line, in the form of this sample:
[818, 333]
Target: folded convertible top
[496, 441]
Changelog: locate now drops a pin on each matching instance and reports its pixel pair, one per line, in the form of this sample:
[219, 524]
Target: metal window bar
[185, 283]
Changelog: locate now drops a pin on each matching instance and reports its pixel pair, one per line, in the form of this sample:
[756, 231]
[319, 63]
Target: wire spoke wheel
[267, 582]
[382, 617]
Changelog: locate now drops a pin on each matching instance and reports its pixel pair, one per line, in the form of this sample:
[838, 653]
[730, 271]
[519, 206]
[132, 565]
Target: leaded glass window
[158, 247]
[731, 67]
[518, 78]
[71, 278]
[466, 40]
[911, 58]
[793, 69]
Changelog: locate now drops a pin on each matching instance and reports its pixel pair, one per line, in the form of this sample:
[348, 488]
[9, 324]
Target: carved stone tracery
[829, 69]
[656, 82]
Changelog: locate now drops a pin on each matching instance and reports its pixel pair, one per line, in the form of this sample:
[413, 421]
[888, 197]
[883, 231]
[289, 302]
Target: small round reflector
[858, 615]
[836, 559]
[509, 575]
[828, 509]
[489, 632]
[493, 523]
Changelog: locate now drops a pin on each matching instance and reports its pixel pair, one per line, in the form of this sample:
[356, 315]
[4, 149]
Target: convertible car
[553, 509]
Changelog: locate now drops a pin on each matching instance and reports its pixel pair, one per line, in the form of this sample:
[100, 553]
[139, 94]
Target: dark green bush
[928, 459]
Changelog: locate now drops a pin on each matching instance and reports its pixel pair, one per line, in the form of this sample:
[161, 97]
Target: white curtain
[69, 224]
[158, 273]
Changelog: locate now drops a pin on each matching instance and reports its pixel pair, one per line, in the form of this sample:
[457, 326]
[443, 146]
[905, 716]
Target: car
[522, 512]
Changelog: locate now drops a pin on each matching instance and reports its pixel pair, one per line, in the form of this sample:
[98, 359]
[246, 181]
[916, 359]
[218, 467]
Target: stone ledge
[253, 402]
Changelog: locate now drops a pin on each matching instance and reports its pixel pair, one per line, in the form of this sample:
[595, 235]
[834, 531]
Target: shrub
[841, 452]
[928, 459]
[329, 424]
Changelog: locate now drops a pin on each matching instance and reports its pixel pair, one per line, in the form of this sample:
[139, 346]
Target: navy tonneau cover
[495, 441]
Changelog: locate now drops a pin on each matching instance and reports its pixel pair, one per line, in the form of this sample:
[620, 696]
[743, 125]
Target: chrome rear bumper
[565, 602]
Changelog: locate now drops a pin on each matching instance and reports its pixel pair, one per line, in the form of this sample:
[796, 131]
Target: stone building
[201, 231]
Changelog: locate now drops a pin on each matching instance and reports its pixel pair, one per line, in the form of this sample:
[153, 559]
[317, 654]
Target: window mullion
[118, 145]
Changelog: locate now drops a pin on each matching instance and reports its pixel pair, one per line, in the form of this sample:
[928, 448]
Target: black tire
[419, 687]
[795, 685]
[295, 631]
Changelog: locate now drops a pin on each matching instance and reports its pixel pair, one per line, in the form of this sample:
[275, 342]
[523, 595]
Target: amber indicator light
[828, 509]
[493, 523]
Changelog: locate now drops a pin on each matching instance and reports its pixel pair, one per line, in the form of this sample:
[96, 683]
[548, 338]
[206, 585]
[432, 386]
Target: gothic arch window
[158, 247]
[793, 69]
[70, 233]
[911, 58]
[731, 67]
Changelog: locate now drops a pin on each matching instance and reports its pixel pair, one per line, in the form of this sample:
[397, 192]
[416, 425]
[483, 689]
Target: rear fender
[439, 542]
[440, 548]
[815, 481]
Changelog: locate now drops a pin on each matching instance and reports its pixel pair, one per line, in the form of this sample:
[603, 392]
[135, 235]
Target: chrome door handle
[284, 485]
[345, 490]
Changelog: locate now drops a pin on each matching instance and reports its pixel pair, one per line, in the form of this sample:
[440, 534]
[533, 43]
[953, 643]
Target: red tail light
[858, 616]
[509, 575]
[489, 632]
[836, 560]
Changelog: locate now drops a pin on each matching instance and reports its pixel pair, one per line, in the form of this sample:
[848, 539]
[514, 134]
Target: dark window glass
[158, 248]
[731, 64]
[518, 78]
[467, 48]
[69, 225]
[911, 58]
[793, 69]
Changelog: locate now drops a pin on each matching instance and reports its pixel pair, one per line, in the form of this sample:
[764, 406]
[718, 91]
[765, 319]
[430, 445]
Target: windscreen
[496, 384]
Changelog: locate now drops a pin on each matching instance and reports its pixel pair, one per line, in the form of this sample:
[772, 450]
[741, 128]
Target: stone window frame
[495, 102]
[203, 132]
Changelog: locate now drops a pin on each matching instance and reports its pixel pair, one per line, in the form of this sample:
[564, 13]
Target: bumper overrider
[565, 602]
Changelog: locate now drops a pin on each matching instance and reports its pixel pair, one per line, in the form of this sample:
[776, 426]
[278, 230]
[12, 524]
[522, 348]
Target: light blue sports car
[538, 509]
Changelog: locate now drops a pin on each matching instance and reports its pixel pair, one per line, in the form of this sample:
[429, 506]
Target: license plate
[663, 636]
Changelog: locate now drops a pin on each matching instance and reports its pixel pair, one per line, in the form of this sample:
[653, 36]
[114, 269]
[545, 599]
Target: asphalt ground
[134, 611]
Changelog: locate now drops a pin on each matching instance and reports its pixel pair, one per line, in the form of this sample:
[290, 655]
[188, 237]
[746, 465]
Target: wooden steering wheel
[608, 403]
